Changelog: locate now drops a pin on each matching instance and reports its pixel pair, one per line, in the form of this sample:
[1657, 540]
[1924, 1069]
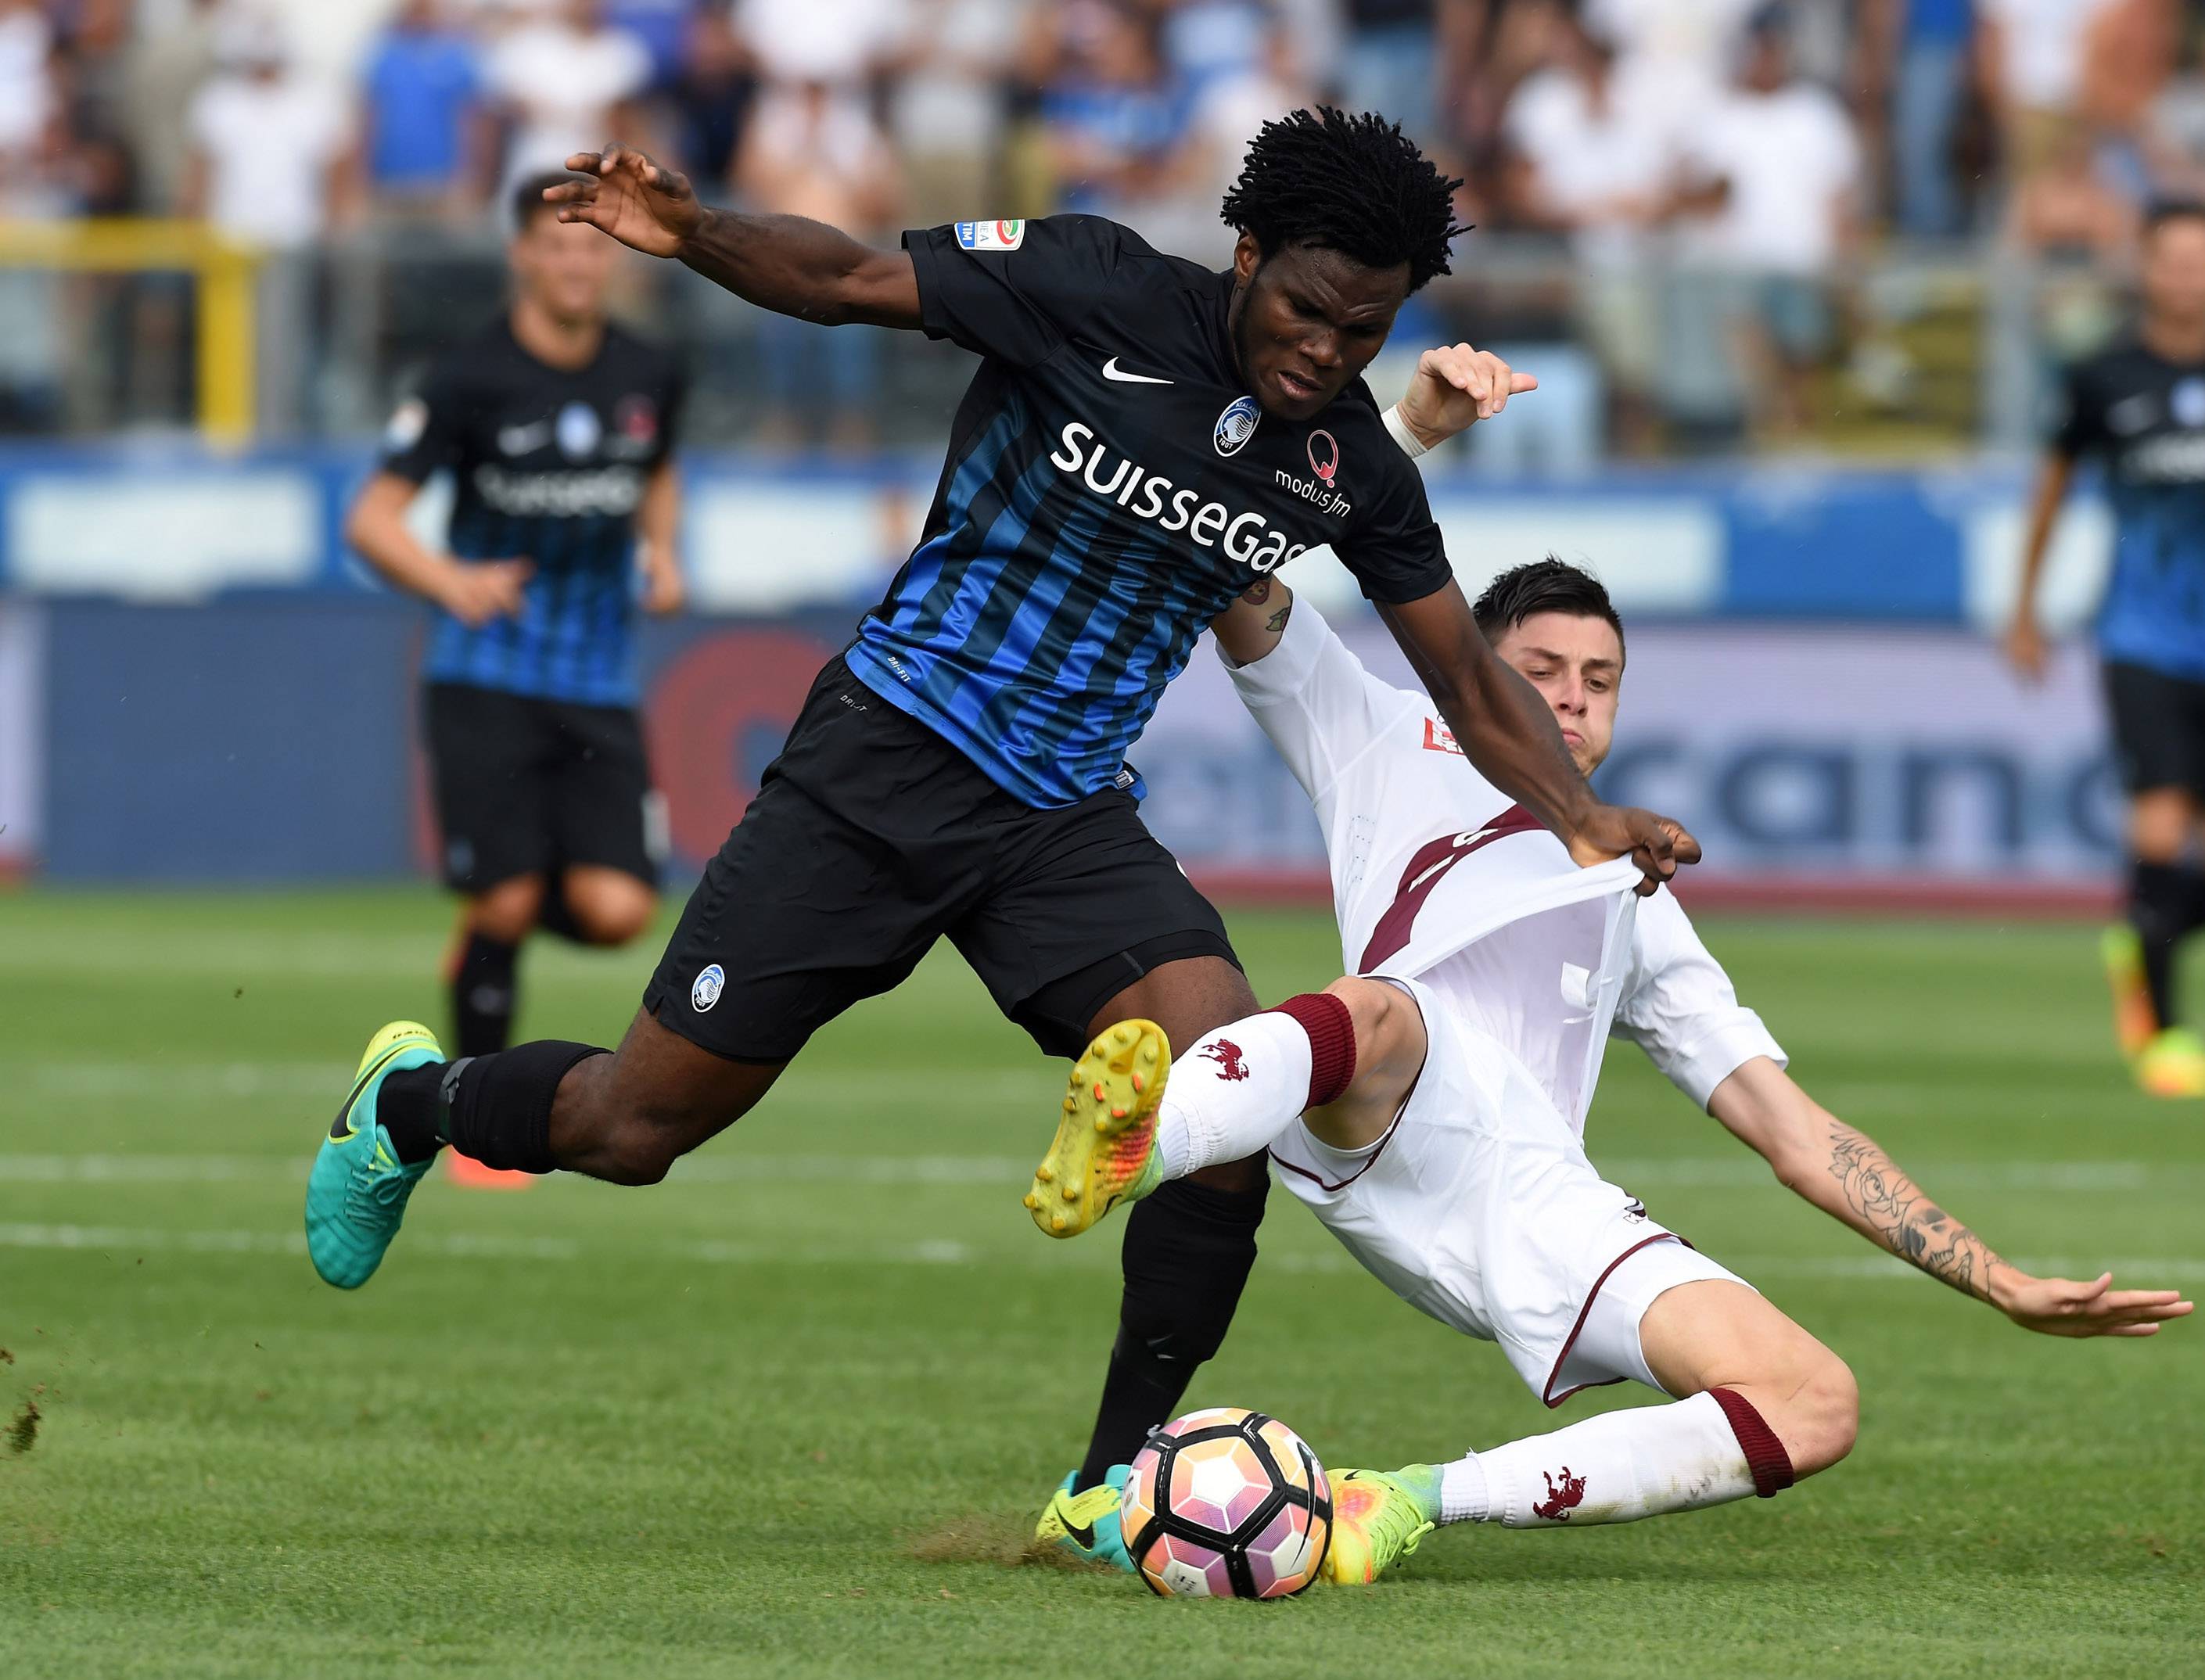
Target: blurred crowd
[1748, 151]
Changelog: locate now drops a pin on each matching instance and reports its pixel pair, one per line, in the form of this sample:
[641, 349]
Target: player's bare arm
[2024, 636]
[474, 592]
[1847, 1174]
[658, 521]
[788, 263]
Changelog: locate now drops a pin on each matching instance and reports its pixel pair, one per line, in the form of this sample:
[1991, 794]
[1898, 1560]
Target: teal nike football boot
[1086, 1524]
[356, 1195]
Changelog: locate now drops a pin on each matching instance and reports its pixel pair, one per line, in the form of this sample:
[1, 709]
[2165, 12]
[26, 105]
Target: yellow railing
[225, 274]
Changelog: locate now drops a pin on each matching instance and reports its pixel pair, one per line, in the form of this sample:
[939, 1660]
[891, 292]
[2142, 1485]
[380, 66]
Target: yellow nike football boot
[1378, 1518]
[1105, 1149]
[1085, 1524]
[2172, 1064]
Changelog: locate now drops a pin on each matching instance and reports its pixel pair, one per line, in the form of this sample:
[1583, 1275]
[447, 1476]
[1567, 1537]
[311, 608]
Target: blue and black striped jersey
[2145, 418]
[548, 465]
[1110, 487]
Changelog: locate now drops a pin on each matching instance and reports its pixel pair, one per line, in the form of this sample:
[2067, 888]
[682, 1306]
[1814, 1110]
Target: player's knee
[1823, 1417]
[1388, 1023]
[619, 922]
[507, 912]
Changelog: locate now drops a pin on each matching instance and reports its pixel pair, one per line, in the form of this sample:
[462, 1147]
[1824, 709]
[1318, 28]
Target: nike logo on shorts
[1112, 371]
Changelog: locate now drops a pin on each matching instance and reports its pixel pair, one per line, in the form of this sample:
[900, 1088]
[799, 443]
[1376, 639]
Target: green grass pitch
[789, 1413]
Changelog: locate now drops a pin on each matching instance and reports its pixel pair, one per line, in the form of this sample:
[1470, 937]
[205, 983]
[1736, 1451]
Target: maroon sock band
[1331, 1032]
[1764, 1454]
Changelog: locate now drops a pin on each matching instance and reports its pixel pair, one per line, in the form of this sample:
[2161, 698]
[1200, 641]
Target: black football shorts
[870, 838]
[528, 786]
[2159, 729]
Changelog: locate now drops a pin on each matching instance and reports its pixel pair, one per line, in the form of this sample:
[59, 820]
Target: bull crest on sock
[1561, 1501]
[1226, 1054]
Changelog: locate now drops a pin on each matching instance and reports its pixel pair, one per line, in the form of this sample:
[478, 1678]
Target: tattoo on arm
[1277, 621]
[1904, 1219]
[1257, 592]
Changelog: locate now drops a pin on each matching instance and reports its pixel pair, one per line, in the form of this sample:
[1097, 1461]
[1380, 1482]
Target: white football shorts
[1480, 1207]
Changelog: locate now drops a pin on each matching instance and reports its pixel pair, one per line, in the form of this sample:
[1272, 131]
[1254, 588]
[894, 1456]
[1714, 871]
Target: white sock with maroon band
[1238, 1088]
[1621, 1466]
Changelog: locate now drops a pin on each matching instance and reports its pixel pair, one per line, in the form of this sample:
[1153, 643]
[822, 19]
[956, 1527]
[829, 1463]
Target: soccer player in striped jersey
[557, 428]
[1143, 440]
[1429, 1108]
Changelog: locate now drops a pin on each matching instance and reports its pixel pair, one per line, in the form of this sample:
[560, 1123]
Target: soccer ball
[1226, 1504]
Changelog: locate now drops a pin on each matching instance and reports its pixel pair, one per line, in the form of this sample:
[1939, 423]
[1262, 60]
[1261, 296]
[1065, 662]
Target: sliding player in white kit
[1429, 1108]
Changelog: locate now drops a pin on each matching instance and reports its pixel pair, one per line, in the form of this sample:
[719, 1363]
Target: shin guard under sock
[1623, 1465]
[1237, 1089]
[1187, 1253]
[498, 1108]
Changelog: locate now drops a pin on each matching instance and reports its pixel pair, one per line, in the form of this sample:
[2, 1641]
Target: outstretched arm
[788, 263]
[1847, 1174]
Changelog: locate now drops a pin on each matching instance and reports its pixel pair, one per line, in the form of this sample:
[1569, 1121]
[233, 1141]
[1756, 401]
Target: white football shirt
[1437, 876]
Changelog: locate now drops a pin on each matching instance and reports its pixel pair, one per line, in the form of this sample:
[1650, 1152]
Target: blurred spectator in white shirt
[844, 43]
[566, 81]
[2029, 58]
[814, 150]
[269, 146]
[28, 98]
[949, 108]
[165, 72]
[423, 134]
[1781, 155]
[1592, 153]
[1682, 47]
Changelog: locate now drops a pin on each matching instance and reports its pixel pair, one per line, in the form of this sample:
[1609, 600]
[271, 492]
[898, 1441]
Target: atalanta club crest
[1236, 425]
[709, 986]
[1323, 456]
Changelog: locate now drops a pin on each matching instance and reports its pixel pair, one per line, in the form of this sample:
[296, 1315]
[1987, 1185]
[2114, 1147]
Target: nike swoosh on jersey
[519, 440]
[1112, 371]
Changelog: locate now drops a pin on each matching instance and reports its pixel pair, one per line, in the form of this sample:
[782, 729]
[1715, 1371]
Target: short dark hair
[1548, 585]
[2164, 210]
[1356, 185]
[527, 201]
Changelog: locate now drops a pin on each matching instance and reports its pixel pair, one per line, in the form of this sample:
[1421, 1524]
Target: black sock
[405, 1106]
[498, 1108]
[2164, 906]
[1187, 1253]
[483, 994]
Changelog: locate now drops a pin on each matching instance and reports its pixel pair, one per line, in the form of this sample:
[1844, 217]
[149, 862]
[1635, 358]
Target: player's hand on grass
[640, 204]
[2024, 649]
[1454, 388]
[2062, 1307]
[475, 592]
[1656, 844]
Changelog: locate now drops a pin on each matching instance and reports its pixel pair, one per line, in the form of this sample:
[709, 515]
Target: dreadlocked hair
[1356, 185]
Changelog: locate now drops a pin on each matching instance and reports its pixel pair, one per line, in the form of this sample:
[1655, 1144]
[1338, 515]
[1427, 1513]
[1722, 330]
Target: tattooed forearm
[1277, 621]
[1891, 1208]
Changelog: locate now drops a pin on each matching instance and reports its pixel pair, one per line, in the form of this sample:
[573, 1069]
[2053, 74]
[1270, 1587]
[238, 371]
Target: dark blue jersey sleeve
[1395, 551]
[1016, 290]
[2078, 425]
[426, 432]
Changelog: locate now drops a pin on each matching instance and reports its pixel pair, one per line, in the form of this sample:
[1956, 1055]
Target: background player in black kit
[2139, 407]
[558, 429]
[1144, 441]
